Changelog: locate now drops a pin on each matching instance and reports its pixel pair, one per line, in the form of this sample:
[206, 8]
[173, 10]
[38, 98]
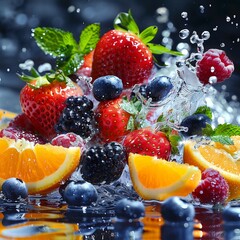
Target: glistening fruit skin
[44, 105]
[112, 120]
[213, 189]
[175, 209]
[129, 209]
[214, 63]
[80, 193]
[195, 124]
[146, 141]
[107, 88]
[14, 189]
[122, 54]
[231, 214]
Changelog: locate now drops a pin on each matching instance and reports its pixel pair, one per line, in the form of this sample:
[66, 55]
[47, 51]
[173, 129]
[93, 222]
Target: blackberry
[77, 117]
[103, 164]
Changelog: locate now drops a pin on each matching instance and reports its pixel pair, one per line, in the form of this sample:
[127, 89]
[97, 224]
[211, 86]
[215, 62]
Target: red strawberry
[86, 68]
[112, 120]
[43, 103]
[126, 53]
[146, 141]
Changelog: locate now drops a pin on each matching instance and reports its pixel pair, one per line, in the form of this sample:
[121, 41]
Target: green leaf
[159, 49]
[227, 129]
[131, 125]
[70, 65]
[129, 107]
[126, 22]
[226, 140]
[89, 38]
[148, 34]
[174, 141]
[208, 130]
[55, 42]
[204, 110]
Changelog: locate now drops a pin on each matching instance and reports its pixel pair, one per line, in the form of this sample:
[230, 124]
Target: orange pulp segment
[41, 166]
[158, 179]
[223, 158]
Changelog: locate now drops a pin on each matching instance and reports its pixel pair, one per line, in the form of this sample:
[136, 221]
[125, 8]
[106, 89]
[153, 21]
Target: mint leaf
[226, 140]
[125, 21]
[55, 42]
[208, 130]
[148, 34]
[89, 38]
[204, 110]
[227, 129]
[71, 64]
[159, 49]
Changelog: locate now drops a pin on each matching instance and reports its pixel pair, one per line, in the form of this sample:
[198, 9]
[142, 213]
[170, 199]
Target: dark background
[18, 17]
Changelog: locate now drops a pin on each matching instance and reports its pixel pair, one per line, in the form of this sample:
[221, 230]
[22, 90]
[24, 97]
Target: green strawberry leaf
[71, 64]
[159, 49]
[148, 34]
[55, 42]
[129, 107]
[89, 38]
[131, 124]
[126, 22]
[204, 110]
[174, 141]
[226, 140]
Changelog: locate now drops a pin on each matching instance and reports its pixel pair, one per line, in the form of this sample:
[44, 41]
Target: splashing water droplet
[44, 67]
[215, 29]
[184, 14]
[27, 65]
[71, 8]
[8, 69]
[78, 10]
[213, 80]
[183, 34]
[162, 15]
[202, 9]
[222, 45]
[212, 69]
[228, 19]
[205, 35]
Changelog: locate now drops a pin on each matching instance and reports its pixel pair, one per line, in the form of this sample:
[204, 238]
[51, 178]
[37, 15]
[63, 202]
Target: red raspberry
[214, 63]
[212, 189]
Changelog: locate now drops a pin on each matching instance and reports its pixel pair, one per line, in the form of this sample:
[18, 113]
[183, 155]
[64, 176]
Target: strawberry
[126, 53]
[147, 141]
[112, 120]
[43, 100]
[86, 68]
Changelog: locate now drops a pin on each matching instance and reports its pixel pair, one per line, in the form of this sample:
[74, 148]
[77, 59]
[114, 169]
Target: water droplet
[78, 10]
[205, 35]
[212, 80]
[71, 9]
[180, 64]
[162, 15]
[183, 34]
[194, 38]
[24, 50]
[228, 19]
[222, 45]
[212, 69]
[238, 40]
[184, 14]
[201, 9]
[215, 29]
[44, 67]
[8, 69]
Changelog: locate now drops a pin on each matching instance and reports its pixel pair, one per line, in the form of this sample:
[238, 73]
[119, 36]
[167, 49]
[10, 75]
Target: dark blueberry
[195, 124]
[77, 117]
[175, 209]
[231, 213]
[129, 209]
[159, 88]
[103, 164]
[14, 189]
[107, 88]
[62, 187]
[80, 193]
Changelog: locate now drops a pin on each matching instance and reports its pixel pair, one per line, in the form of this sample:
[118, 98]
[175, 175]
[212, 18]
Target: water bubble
[212, 69]
[45, 67]
[215, 29]
[222, 45]
[183, 34]
[8, 69]
[228, 19]
[238, 40]
[71, 9]
[194, 38]
[212, 80]
[27, 65]
[162, 15]
[205, 35]
[184, 14]
[180, 64]
[201, 9]
[78, 10]
[24, 50]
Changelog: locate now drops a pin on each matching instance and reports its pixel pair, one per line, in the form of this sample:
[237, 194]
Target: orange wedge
[223, 158]
[42, 167]
[159, 179]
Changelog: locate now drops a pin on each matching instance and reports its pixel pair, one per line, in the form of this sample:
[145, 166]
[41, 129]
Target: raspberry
[213, 188]
[214, 63]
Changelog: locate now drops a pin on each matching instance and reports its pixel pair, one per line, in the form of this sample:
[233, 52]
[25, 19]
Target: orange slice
[159, 179]
[42, 167]
[223, 158]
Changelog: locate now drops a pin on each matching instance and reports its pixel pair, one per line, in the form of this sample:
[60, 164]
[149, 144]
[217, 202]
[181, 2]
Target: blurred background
[19, 17]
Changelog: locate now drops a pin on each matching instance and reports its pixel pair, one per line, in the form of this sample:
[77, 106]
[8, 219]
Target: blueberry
[107, 88]
[175, 209]
[14, 189]
[195, 124]
[231, 213]
[129, 209]
[159, 88]
[80, 193]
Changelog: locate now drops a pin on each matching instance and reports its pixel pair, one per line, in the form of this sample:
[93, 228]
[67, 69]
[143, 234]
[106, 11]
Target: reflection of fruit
[159, 179]
[42, 167]
[222, 158]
